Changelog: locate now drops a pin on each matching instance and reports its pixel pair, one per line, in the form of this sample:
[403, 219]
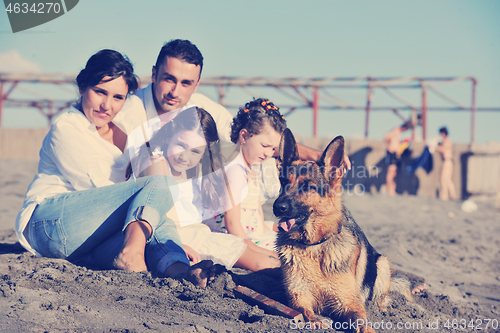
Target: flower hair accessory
[247, 112]
[270, 107]
[157, 152]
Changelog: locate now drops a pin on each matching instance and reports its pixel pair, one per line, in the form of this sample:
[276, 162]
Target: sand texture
[457, 252]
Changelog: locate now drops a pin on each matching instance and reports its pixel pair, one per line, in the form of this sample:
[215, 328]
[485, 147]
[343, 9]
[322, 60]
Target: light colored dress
[251, 220]
[223, 249]
[239, 179]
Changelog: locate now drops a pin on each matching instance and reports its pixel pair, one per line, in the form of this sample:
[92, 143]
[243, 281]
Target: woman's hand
[192, 255]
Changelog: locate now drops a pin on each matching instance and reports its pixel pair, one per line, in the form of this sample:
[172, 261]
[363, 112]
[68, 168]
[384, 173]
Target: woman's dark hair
[254, 116]
[211, 162]
[443, 130]
[107, 63]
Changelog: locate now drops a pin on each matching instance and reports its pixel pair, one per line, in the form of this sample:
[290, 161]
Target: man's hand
[347, 162]
[308, 153]
[311, 154]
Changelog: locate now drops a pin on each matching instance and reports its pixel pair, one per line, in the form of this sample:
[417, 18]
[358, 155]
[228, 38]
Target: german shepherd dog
[328, 265]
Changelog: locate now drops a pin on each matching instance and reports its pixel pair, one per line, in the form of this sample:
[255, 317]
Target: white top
[73, 157]
[187, 206]
[237, 172]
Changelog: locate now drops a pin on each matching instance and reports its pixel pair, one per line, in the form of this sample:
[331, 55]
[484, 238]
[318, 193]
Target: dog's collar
[320, 242]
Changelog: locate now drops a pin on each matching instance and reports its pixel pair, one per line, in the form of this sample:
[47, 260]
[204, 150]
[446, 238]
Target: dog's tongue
[287, 225]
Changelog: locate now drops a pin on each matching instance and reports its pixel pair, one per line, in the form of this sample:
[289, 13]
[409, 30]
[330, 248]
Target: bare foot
[417, 283]
[131, 257]
[419, 288]
[200, 274]
[132, 262]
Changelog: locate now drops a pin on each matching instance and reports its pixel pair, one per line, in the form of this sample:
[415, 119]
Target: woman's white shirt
[73, 157]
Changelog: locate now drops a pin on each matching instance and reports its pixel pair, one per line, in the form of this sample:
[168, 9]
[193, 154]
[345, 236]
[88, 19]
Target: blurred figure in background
[445, 148]
[393, 141]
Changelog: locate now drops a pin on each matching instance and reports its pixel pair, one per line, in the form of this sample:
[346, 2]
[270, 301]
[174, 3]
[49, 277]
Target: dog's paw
[310, 316]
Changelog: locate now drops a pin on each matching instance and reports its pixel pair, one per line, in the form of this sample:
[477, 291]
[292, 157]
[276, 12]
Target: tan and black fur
[329, 266]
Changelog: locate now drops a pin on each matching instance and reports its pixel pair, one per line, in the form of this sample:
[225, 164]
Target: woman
[79, 206]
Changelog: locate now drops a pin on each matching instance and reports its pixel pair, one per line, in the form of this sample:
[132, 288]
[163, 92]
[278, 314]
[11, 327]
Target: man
[445, 148]
[175, 78]
[392, 141]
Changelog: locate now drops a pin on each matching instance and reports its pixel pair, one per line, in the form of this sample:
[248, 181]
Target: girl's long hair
[211, 163]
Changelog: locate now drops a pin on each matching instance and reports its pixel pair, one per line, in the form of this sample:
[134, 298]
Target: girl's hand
[192, 255]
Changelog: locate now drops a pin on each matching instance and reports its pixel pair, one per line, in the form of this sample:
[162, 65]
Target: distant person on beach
[393, 141]
[79, 203]
[445, 148]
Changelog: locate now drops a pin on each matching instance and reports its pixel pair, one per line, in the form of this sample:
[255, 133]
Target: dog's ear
[333, 159]
[288, 149]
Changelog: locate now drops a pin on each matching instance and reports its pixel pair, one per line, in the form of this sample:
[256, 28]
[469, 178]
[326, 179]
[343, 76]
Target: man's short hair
[181, 49]
[443, 130]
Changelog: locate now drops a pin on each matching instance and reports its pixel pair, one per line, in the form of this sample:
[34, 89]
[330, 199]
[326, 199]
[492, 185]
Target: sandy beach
[457, 252]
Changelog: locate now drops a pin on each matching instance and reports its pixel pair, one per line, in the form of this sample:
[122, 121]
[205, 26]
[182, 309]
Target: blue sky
[286, 38]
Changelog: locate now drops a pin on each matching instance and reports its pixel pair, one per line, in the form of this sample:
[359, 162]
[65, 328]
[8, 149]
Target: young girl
[191, 145]
[256, 131]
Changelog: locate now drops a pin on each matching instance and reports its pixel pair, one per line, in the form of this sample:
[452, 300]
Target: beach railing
[476, 169]
[21, 143]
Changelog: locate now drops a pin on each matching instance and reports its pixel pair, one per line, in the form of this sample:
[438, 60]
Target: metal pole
[473, 112]
[413, 126]
[222, 93]
[367, 109]
[1, 102]
[315, 112]
[424, 112]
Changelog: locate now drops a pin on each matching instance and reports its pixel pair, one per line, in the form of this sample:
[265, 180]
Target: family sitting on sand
[126, 177]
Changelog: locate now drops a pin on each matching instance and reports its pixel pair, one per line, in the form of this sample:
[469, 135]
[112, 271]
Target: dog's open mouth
[287, 225]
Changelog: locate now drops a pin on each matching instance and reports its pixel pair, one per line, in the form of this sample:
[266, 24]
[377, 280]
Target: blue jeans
[87, 226]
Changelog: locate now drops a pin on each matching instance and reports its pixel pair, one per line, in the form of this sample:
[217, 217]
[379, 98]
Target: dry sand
[457, 252]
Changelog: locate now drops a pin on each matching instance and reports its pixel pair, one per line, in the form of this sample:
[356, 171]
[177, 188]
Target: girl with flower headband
[256, 130]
